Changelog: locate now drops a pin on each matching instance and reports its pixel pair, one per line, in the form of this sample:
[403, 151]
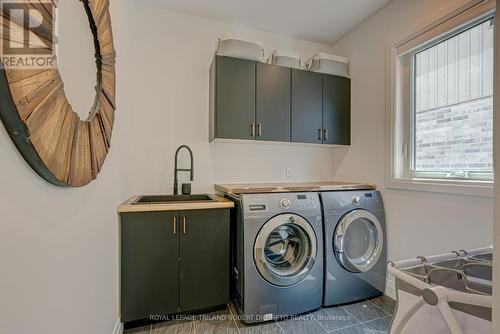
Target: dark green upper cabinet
[204, 266]
[256, 101]
[149, 264]
[307, 106]
[273, 102]
[234, 100]
[336, 110]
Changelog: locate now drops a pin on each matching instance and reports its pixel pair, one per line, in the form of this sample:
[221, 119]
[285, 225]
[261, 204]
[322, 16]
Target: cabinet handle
[259, 130]
[325, 134]
[175, 225]
[252, 129]
[184, 224]
[319, 134]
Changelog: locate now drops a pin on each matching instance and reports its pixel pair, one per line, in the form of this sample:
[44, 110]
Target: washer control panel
[305, 201]
[256, 205]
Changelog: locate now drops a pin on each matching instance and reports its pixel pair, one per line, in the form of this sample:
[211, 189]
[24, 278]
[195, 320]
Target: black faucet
[176, 170]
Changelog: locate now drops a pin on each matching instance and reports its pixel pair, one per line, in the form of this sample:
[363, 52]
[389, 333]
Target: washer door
[358, 241]
[285, 250]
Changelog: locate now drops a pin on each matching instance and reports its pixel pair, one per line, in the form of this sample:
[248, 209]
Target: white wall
[59, 247]
[172, 54]
[418, 223]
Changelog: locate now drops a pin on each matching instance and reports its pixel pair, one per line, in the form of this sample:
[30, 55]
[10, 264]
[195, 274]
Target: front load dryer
[355, 246]
[278, 255]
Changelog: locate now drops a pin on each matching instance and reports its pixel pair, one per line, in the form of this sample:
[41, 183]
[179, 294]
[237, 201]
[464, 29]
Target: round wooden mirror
[59, 115]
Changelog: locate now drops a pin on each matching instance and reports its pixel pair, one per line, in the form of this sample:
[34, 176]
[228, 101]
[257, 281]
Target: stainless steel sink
[162, 199]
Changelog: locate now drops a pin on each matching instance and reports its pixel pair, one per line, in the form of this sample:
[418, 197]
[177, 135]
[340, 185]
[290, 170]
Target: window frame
[401, 92]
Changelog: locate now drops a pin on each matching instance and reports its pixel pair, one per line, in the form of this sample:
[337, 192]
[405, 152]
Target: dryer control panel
[344, 201]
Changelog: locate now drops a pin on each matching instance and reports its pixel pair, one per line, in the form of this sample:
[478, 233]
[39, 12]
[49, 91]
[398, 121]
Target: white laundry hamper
[233, 46]
[444, 294]
[328, 64]
[285, 58]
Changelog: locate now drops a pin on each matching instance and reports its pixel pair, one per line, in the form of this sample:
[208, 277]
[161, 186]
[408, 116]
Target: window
[442, 101]
[452, 105]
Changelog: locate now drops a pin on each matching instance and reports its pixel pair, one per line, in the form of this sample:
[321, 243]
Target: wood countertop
[250, 188]
[219, 203]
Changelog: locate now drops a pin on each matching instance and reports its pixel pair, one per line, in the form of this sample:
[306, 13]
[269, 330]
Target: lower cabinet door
[204, 266]
[149, 264]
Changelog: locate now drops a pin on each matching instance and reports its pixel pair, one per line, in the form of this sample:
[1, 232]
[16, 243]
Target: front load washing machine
[355, 247]
[278, 255]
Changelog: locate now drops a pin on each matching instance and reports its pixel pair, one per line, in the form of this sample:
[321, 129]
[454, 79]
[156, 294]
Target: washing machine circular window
[285, 250]
[358, 241]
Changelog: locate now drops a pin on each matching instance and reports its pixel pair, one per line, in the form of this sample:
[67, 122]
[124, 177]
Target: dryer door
[358, 241]
[285, 250]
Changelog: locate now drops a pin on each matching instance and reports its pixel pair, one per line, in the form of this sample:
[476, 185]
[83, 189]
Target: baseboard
[118, 327]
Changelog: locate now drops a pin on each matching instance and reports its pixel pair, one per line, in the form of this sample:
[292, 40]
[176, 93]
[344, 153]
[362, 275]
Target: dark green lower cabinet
[173, 262]
[204, 267]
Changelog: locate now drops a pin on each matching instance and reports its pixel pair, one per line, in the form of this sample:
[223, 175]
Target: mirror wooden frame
[63, 149]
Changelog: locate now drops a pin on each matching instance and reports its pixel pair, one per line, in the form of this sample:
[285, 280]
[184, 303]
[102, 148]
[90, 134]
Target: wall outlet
[289, 172]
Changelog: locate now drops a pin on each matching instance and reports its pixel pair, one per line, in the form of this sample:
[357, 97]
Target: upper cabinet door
[205, 262]
[149, 264]
[336, 110]
[235, 98]
[306, 106]
[273, 103]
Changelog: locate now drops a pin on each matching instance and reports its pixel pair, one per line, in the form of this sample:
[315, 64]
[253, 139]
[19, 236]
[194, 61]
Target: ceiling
[322, 21]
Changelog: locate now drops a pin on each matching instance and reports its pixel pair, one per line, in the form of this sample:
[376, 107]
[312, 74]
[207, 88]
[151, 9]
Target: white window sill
[467, 188]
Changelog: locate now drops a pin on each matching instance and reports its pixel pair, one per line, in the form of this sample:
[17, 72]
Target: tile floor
[368, 317]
